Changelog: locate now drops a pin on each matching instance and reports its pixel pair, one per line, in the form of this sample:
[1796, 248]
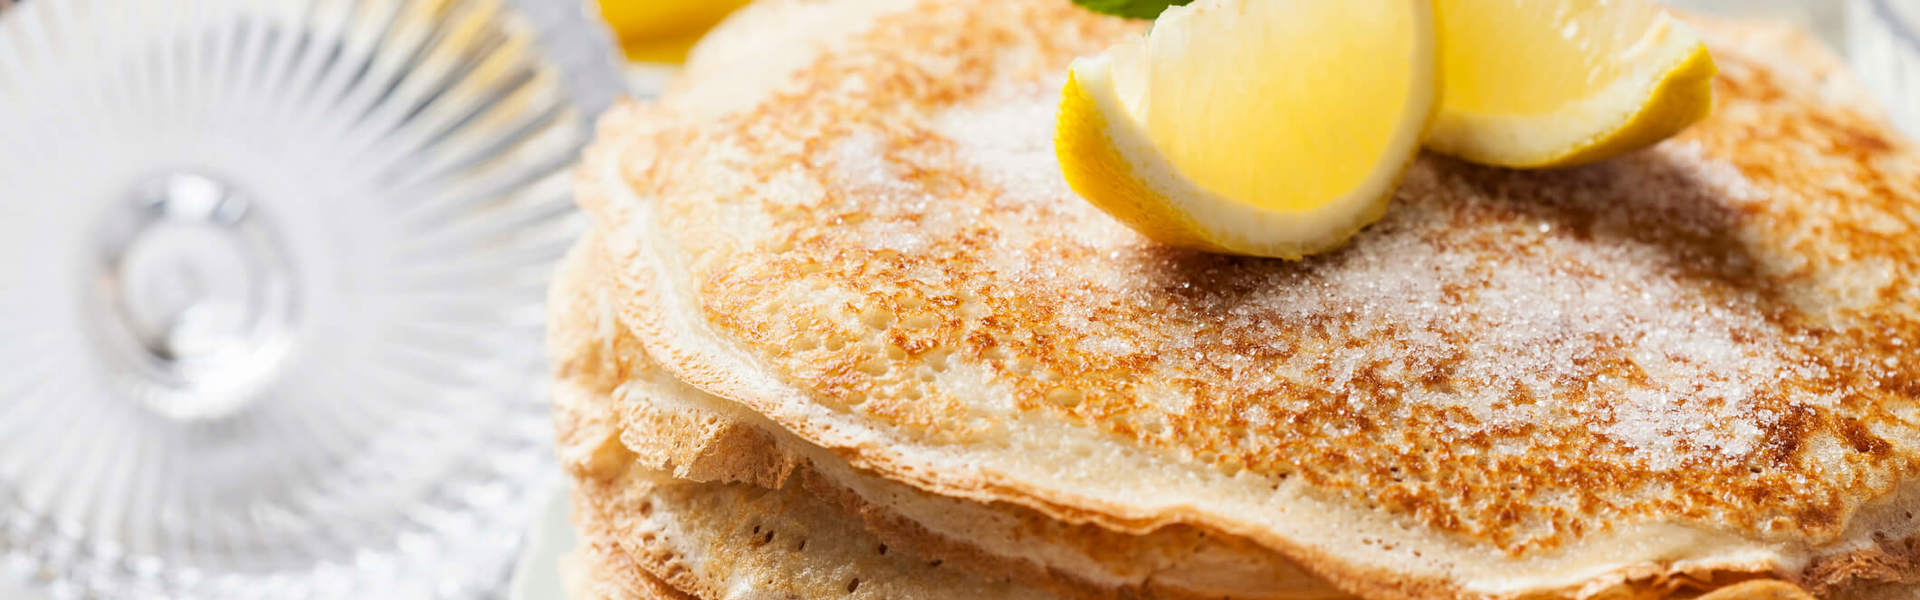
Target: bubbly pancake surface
[1714, 333]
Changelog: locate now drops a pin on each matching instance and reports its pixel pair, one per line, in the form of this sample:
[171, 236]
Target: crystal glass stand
[271, 278]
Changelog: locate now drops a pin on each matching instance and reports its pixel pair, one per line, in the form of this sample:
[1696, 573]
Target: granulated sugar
[1508, 355]
[995, 134]
[1531, 315]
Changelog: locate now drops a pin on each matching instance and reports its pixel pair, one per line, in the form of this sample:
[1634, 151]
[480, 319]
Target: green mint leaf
[1132, 9]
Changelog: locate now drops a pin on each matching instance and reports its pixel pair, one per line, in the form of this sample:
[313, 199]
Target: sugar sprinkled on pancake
[1697, 357]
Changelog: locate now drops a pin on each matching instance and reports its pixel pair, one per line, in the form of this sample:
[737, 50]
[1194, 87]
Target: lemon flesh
[1261, 127]
[663, 30]
[1533, 83]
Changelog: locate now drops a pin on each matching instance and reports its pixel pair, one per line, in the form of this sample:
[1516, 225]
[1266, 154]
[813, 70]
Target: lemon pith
[1233, 128]
[1531, 84]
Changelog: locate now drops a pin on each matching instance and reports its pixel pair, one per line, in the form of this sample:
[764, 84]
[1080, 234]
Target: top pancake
[1695, 358]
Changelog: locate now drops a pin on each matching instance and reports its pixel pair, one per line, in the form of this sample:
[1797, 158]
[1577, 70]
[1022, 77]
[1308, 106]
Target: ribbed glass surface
[1883, 42]
[271, 287]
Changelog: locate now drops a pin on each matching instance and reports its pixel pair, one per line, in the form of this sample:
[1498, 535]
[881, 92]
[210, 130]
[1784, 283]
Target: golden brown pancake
[623, 438]
[1694, 361]
[649, 535]
[618, 410]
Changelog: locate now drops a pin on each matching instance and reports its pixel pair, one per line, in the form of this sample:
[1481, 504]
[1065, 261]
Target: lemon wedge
[1260, 127]
[1532, 83]
[663, 30]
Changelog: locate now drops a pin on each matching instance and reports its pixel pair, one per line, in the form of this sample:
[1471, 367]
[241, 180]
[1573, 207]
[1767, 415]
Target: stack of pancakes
[840, 330]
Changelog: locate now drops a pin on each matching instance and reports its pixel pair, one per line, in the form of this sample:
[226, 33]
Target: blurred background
[272, 277]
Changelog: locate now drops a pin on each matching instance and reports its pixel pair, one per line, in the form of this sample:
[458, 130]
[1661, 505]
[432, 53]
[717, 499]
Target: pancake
[649, 535]
[1691, 360]
[664, 427]
[617, 409]
[665, 430]
[651, 423]
[601, 570]
[680, 539]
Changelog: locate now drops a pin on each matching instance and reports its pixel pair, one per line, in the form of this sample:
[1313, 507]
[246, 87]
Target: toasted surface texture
[1695, 360]
[649, 535]
[617, 482]
[667, 426]
[619, 414]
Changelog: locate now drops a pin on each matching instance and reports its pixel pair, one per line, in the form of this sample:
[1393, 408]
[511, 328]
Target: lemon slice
[663, 30]
[1534, 83]
[1262, 127]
